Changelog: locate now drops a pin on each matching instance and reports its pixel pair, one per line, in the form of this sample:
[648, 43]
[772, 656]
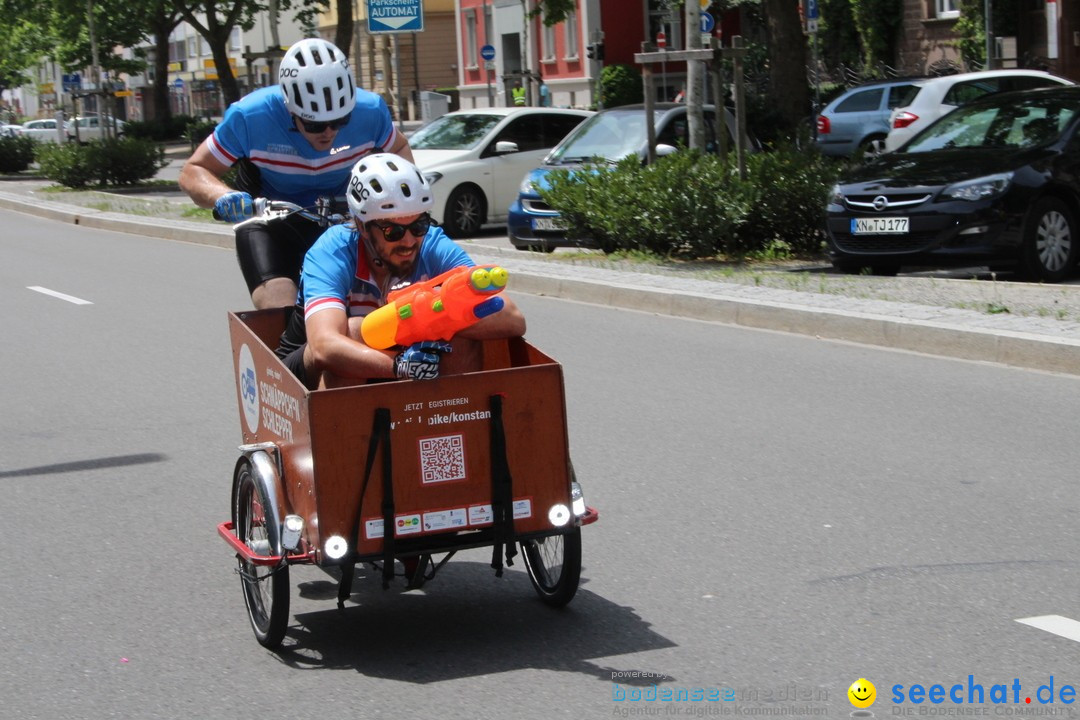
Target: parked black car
[996, 183]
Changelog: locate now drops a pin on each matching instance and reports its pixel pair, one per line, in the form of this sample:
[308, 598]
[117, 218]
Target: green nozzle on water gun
[436, 309]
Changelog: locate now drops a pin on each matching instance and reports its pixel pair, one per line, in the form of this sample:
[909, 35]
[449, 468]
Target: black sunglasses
[394, 232]
[318, 127]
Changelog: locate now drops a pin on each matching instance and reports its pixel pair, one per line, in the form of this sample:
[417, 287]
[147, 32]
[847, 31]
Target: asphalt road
[780, 516]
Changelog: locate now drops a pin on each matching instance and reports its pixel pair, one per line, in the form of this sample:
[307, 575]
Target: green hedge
[199, 130]
[16, 153]
[172, 128]
[690, 206]
[123, 161]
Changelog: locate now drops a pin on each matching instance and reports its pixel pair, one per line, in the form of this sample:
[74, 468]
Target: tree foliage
[214, 20]
[878, 23]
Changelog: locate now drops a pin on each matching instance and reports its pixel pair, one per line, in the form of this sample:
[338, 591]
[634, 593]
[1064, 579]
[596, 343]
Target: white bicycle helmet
[316, 81]
[383, 186]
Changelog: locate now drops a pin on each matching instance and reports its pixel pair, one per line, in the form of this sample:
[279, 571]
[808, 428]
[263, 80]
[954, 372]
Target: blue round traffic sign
[707, 22]
[488, 52]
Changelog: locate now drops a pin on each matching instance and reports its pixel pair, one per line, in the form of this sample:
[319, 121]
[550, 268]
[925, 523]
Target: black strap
[502, 495]
[380, 430]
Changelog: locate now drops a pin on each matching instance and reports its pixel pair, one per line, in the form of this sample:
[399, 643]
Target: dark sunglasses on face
[319, 127]
[394, 232]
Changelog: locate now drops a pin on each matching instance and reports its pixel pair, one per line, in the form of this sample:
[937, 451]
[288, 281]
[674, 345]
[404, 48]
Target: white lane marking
[1057, 624]
[62, 296]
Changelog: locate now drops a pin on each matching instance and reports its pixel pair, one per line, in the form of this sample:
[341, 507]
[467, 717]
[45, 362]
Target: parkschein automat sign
[395, 16]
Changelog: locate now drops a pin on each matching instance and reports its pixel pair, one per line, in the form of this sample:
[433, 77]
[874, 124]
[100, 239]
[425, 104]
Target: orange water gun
[436, 309]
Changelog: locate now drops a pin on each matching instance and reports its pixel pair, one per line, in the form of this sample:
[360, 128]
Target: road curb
[931, 337]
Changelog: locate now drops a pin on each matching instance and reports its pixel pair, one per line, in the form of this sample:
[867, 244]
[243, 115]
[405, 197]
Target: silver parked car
[46, 130]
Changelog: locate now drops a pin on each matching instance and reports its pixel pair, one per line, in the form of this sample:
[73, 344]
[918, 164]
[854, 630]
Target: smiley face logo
[862, 693]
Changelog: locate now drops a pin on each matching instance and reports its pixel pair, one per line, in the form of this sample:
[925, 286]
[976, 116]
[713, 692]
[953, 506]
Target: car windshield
[454, 132]
[608, 136]
[1017, 123]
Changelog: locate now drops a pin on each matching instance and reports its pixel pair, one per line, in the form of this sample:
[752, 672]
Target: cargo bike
[401, 470]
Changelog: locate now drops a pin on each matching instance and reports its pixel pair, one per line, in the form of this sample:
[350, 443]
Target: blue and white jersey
[260, 128]
[336, 272]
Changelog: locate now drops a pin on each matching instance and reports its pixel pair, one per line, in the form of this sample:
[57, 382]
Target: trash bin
[433, 105]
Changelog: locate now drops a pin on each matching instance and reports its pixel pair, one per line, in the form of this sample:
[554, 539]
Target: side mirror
[505, 147]
[663, 149]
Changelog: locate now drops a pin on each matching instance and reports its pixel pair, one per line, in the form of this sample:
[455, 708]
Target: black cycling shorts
[275, 249]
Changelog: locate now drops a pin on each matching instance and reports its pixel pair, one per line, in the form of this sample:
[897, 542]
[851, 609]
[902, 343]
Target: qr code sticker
[442, 459]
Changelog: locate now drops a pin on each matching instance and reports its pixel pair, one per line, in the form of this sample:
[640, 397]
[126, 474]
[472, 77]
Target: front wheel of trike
[554, 566]
[266, 589]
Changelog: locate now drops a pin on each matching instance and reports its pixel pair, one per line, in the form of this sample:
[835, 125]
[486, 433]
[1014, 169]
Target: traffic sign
[72, 82]
[661, 40]
[395, 16]
[812, 10]
[708, 22]
[178, 83]
[488, 52]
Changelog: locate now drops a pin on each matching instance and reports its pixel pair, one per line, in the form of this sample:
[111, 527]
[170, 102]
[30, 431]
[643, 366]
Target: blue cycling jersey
[260, 128]
[336, 272]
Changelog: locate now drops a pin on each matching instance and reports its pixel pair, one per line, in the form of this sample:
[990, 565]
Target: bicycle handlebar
[270, 210]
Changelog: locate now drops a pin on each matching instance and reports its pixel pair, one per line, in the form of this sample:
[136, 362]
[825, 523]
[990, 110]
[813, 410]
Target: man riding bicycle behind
[295, 142]
[350, 270]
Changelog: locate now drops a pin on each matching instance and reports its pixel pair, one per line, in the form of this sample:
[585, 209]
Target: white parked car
[89, 127]
[934, 97]
[46, 130]
[475, 159]
[11, 130]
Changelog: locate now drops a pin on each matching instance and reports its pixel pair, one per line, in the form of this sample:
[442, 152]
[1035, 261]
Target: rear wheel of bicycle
[266, 589]
[554, 566]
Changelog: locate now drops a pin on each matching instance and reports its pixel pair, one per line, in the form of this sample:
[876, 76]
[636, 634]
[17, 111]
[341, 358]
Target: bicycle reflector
[336, 547]
[559, 515]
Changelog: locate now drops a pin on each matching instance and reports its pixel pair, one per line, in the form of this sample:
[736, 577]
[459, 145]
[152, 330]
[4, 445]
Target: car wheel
[871, 147]
[464, 212]
[1050, 242]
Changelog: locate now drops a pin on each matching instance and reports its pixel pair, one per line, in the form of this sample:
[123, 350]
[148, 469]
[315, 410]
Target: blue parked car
[609, 135]
[858, 120]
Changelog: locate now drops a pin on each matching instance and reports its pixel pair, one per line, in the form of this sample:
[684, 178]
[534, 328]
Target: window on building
[470, 39]
[947, 8]
[548, 49]
[193, 47]
[234, 38]
[570, 35]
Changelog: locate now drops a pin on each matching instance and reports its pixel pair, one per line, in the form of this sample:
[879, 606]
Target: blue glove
[420, 361]
[234, 207]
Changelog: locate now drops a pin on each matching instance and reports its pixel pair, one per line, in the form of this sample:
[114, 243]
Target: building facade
[1045, 35]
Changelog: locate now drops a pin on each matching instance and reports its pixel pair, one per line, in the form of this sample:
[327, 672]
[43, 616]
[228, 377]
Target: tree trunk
[790, 90]
[230, 88]
[343, 36]
[161, 105]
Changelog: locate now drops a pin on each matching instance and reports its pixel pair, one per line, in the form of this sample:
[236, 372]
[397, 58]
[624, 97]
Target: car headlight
[527, 187]
[432, 177]
[980, 188]
[835, 196]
